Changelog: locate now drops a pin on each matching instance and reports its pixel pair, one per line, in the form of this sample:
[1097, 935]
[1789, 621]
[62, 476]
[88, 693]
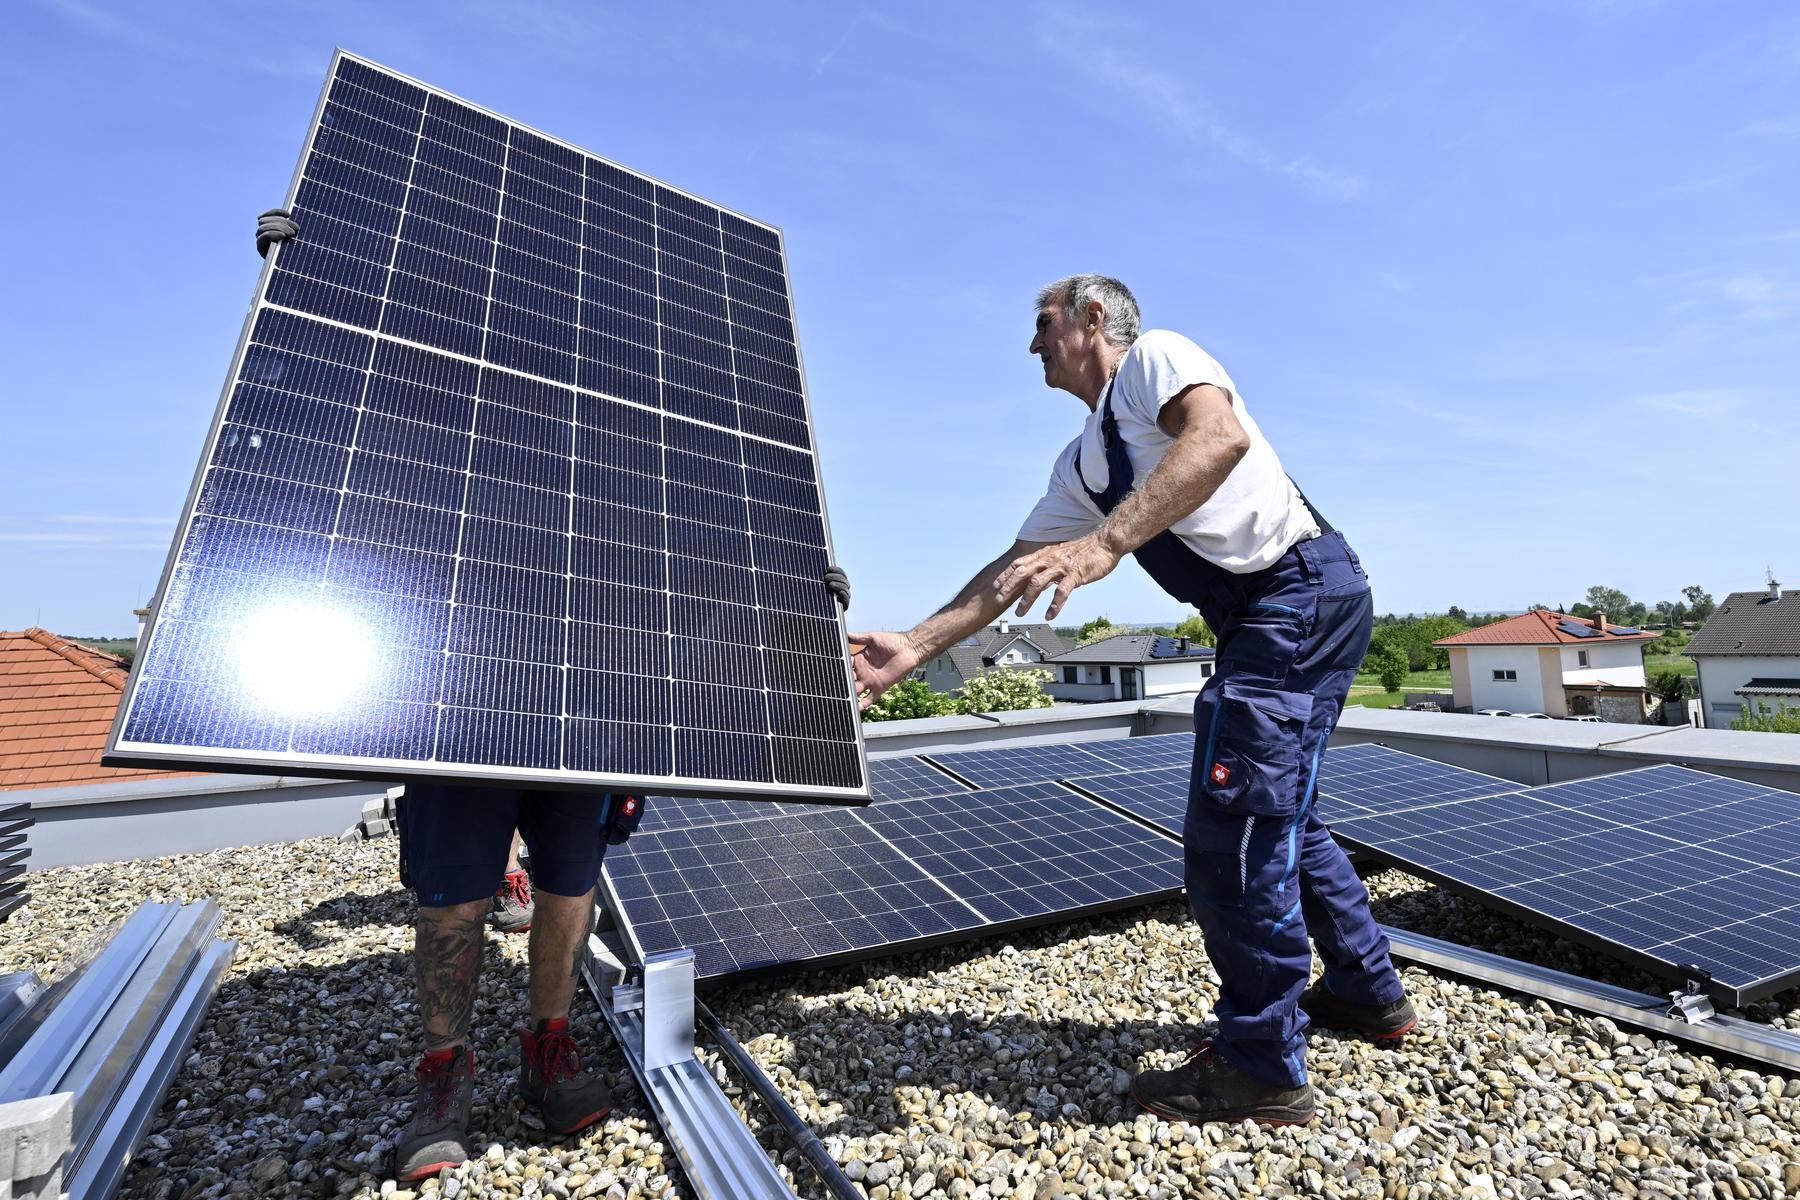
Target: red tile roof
[57, 700]
[1538, 627]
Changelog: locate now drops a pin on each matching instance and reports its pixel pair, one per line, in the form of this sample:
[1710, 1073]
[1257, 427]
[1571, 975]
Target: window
[1581, 657]
[1105, 674]
[1071, 674]
[1504, 675]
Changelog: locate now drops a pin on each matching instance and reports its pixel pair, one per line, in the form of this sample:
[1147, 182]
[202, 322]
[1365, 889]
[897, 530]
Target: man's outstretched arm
[1209, 442]
[890, 657]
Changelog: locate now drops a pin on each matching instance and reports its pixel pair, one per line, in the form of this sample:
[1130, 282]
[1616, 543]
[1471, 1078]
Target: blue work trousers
[1262, 871]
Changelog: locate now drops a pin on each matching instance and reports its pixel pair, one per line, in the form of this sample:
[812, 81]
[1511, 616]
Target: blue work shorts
[454, 840]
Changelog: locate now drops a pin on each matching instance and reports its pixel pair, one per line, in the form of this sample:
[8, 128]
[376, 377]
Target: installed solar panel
[1158, 795]
[513, 479]
[1664, 865]
[1366, 779]
[889, 779]
[1021, 764]
[1144, 753]
[1030, 851]
[818, 886]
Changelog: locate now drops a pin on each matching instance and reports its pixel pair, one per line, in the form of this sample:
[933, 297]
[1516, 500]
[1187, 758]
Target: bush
[1005, 690]
[1388, 662]
[1768, 720]
[910, 699]
[1669, 685]
[1194, 630]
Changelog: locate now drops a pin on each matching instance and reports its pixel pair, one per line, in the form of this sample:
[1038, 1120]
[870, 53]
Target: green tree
[1458, 614]
[1004, 690]
[1608, 600]
[1669, 685]
[910, 699]
[1700, 603]
[1096, 629]
[1194, 630]
[1431, 629]
[1388, 662]
[1768, 720]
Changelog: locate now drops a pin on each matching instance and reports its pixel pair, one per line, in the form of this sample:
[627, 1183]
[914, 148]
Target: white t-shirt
[1245, 526]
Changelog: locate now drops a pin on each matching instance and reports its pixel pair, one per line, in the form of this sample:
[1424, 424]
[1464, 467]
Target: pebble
[978, 1071]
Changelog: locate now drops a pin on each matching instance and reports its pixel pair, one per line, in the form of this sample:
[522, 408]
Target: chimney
[1005, 625]
[142, 615]
[1600, 621]
[1182, 645]
[1774, 590]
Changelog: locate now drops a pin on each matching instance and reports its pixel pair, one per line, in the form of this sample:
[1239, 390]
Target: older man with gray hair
[1170, 468]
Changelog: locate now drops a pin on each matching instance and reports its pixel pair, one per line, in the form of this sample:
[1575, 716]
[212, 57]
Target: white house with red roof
[1552, 663]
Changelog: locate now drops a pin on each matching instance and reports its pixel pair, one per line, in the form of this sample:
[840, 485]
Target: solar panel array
[513, 479]
[1669, 865]
[1367, 779]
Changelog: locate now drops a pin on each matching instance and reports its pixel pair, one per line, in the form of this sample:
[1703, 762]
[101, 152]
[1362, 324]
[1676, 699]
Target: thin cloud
[1697, 402]
[1174, 100]
[141, 36]
[88, 532]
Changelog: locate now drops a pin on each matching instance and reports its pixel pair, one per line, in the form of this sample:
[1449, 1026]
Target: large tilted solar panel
[1665, 866]
[513, 479]
[821, 886]
[1367, 779]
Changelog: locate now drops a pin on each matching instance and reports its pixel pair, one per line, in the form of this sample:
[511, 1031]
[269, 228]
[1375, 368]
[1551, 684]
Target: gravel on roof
[994, 1068]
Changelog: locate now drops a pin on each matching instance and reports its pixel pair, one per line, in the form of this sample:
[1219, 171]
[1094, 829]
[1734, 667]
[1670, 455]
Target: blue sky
[1512, 288]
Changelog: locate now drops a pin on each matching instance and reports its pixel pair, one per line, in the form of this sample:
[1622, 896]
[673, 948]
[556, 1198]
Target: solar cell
[907, 778]
[1366, 779]
[1664, 865]
[1010, 765]
[513, 479]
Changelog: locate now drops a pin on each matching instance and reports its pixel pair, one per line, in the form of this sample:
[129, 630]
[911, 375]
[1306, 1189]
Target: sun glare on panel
[305, 658]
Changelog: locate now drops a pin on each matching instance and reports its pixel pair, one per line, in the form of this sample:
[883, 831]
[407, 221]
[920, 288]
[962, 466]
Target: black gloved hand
[837, 582]
[276, 225]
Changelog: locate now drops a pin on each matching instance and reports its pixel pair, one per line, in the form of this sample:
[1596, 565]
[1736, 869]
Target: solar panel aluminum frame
[121, 752]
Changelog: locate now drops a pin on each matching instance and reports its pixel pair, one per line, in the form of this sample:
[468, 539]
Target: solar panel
[1578, 629]
[1030, 851]
[1664, 866]
[1143, 753]
[1158, 795]
[819, 886]
[815, 885]
[1367, 779]
[1010, 765]
[513, 479]
[907, 778]
[889, 779]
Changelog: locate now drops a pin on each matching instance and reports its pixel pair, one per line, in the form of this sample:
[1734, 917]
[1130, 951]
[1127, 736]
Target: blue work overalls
[1262, 870]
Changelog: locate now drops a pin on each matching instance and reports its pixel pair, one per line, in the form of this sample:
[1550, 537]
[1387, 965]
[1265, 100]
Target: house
[1552, 663]
[1001, 645]
[57, 700]
[1129, 666]
[1748, 653]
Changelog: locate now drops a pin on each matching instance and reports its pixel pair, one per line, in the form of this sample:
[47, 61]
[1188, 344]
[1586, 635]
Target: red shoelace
[557, 1055]
[518, 888]
[438, 1074]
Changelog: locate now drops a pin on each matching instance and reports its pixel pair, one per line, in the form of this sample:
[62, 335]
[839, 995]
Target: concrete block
[376, 828]
[47, 1186]
[35, 1135]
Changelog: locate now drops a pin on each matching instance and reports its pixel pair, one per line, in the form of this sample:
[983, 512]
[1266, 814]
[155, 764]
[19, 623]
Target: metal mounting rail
[652, 1019]
[1671, 1016]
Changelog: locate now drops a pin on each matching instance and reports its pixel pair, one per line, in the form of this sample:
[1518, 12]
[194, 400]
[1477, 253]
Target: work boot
[1377, 1022]
[511, 909]
[551, 1079]
[1207, 1088]
[438, 1134]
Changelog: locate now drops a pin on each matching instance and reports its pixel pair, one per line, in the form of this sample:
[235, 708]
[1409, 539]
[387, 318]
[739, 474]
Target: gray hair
[1122, 324]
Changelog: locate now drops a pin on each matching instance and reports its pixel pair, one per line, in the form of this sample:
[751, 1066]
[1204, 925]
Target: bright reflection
[305, 658]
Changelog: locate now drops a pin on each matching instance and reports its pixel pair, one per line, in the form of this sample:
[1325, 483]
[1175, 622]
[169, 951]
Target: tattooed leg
[447, 965]
[559, 934]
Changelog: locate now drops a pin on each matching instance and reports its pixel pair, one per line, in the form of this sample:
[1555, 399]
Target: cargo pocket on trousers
[1252, 760]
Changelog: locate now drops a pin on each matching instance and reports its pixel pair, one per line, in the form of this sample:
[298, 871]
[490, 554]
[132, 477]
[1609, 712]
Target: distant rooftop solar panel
[513, 479]
[1664, 866]
[1578, 629]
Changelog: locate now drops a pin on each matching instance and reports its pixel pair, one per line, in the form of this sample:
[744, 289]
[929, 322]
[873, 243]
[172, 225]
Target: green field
[1656, 664]
[1416, 681]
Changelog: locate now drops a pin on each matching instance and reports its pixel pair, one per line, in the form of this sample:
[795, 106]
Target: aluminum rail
[802, 1135]
[1660, 1015]
[653, 1023]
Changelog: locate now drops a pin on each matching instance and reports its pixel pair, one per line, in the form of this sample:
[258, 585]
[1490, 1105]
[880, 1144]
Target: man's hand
[886, 659]
[1067, 565]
